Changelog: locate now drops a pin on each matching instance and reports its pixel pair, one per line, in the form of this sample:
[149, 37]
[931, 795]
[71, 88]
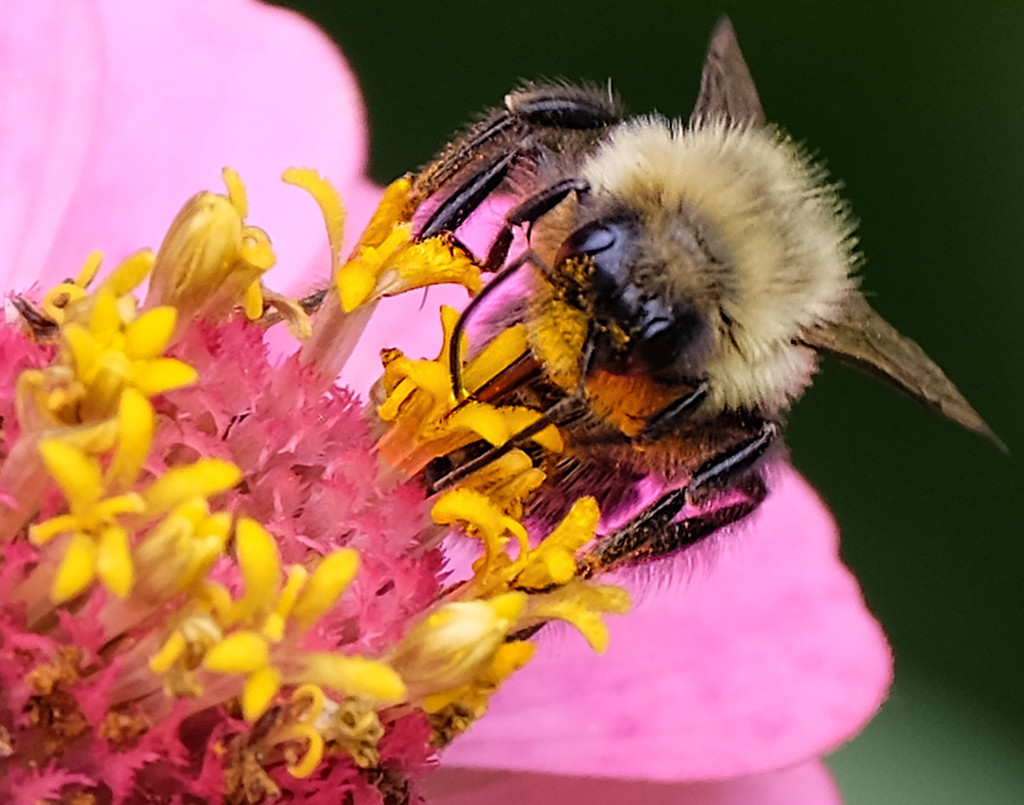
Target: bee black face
[634, 330]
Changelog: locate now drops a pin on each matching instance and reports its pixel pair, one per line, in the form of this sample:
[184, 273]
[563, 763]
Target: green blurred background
[918, 108]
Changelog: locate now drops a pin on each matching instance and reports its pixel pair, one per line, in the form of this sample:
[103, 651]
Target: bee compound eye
[608, 245]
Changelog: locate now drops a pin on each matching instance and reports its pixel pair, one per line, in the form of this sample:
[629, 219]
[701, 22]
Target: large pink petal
[410, 322]
[806, 784]
[189, 86]
[50, 78]
[765, 658]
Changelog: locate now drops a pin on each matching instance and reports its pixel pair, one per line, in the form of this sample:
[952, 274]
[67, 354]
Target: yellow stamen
[274, 626]
[261, 686]
[162, 375]
[237, 194]
[254, 301]
[148, 336]
[453, 644]
[77, 475]
[201, 479]
[241, 652]
[314, 753]
[329, 201]
[473, 696]
[483, 519]
[169, 653]
[260, 563]
[354, 676]
[198, 252]
[553, 562]
[87, 273]
[330, 579]
[135, 421]
[130, 274]
[394, 207]
[580, 604]
[77, 569]
[114, 561]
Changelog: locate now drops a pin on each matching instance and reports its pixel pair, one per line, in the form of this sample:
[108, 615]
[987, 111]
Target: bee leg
[42, 326]
[655, 531]
[455, 342]
[669, 417]
[552, 107]
[554, 415]
[720, 471]
[536, 206]
[528, 211]
[468, 197]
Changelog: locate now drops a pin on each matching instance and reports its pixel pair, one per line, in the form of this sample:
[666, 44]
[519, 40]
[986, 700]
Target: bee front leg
[527, 212]
[468, 197]
[655, 531]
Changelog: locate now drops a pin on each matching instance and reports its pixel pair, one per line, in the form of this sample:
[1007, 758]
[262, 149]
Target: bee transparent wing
[727, 91]
[862, 338]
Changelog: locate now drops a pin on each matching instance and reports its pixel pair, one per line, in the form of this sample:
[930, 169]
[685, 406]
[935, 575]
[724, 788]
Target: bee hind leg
[656, 532]
[668, 418]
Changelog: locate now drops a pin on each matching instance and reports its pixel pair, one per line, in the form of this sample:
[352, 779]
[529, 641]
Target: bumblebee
[680, 281]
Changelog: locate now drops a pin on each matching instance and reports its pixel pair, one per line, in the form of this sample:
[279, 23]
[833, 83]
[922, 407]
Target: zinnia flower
[211, 590]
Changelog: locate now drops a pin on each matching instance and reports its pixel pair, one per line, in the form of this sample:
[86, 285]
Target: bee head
[635, 329]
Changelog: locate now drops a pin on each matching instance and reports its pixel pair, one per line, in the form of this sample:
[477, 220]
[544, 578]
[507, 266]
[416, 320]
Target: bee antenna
[455, 344]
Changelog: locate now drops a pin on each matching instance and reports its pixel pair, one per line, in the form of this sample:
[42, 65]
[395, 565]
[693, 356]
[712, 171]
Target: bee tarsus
[655, 532]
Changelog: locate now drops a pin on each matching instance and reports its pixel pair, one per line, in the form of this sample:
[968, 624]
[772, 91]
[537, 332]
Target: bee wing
[727, 91]
[860, 337]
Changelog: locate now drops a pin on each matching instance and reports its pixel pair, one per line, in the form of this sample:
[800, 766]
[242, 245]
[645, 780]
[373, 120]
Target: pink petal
[187, 87]
[50, 76]
[806, 784]
[410, 322]
[766, 659]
